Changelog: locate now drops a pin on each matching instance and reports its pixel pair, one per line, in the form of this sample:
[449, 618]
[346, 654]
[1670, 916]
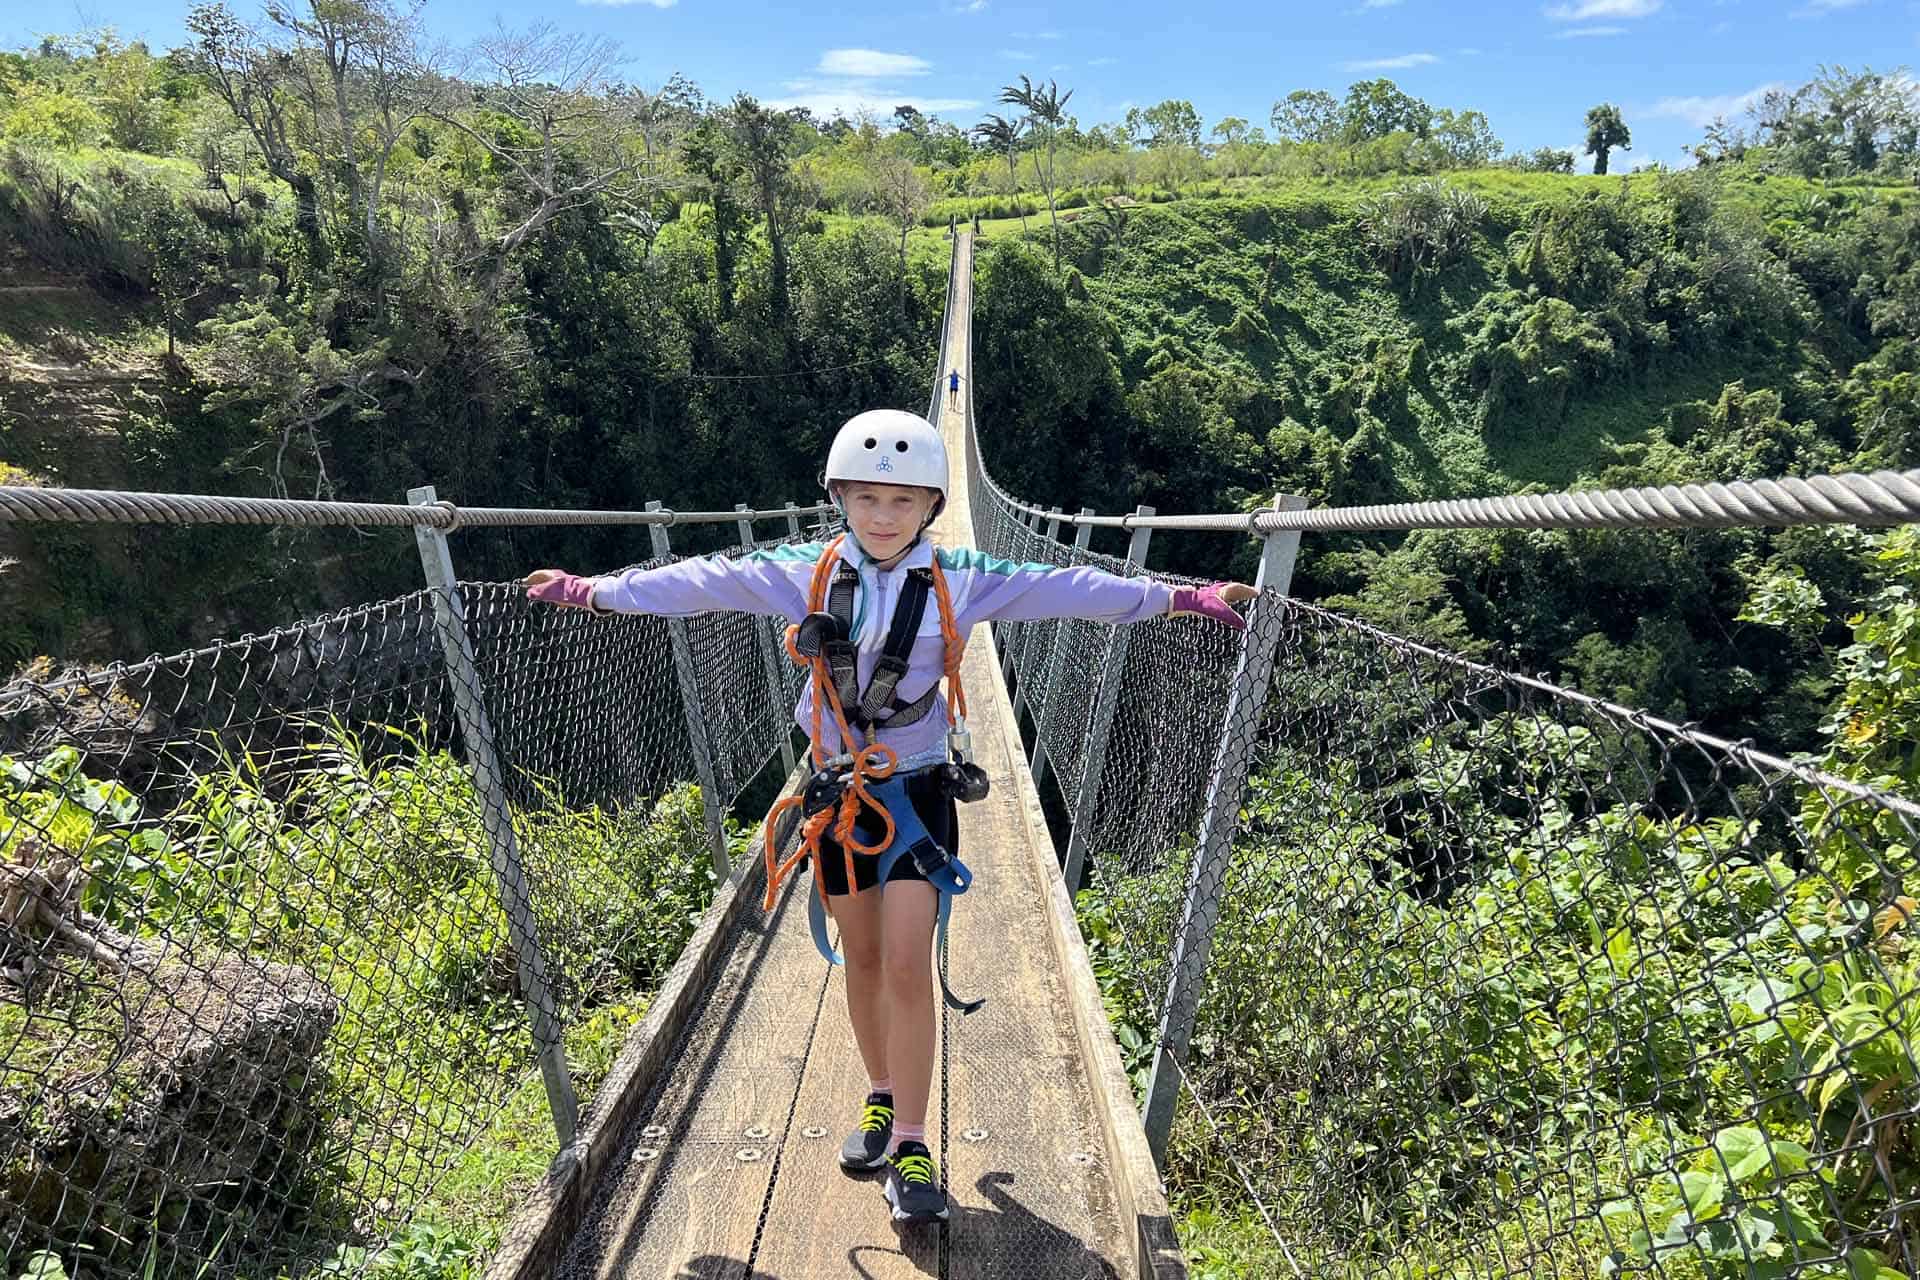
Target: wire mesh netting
[268, 958]
[1505, 981]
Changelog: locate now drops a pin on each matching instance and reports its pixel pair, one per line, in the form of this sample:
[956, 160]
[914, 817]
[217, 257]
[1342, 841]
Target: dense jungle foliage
[1634, 1038]
[695, 293]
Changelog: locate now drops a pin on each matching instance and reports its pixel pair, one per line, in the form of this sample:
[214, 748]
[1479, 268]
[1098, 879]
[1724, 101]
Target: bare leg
[907, 914]
[858, 915]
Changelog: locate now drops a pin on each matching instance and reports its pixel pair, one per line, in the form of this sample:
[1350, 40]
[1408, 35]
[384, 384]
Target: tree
[1842, 122]
[1376, 108]
[255, 81]
[180, 253]
[1003, 138]
[710, 156]
[1307, 115]
[903, 193]
[762, 138]
[1046, 112]
[1466, 139]
[1173, 122]
[567, 135]
[1231, 131]
[1605, 131]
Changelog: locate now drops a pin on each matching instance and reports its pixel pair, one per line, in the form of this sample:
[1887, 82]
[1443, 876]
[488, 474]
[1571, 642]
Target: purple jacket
[983, 589]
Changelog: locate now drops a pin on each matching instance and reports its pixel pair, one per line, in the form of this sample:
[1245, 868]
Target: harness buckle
[824, 789]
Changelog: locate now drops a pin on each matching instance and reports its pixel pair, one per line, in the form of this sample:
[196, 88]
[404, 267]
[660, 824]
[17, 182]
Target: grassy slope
[1185, 269]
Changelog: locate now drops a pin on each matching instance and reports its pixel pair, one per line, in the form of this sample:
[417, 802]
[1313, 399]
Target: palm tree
[1045, 107]
[1605, 131]
[1003, 136]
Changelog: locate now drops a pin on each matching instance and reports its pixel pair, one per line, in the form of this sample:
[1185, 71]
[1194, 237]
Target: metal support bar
[793, 520]
[1052, 680]
[696, 720]
[768, 656]
[1010, 631]
[1113, 665]
[450, 621]
[1029, 638]
[1213, 848]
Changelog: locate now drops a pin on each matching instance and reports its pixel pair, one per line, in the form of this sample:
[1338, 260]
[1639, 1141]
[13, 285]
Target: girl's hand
[1212, 601]
[557, 586]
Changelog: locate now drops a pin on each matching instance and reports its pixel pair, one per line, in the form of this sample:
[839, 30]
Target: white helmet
[889, 446]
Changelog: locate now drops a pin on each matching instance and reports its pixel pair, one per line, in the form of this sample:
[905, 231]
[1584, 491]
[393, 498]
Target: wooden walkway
[711, 1151]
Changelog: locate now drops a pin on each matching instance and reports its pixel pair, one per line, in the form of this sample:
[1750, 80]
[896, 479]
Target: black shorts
[938, 812]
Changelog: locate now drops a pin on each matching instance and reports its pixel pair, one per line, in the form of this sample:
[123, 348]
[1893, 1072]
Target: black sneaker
[912, 1188]
[866, 1147]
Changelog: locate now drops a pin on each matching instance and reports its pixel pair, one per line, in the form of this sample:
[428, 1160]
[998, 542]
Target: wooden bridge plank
[822, 1222]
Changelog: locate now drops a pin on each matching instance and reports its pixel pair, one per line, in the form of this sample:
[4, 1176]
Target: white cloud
[1378, 4]
[1101, 62]
[1821, 8]
[1701, 110]
[623, 4]
[1061, 66]
[1014, 55]
[971, 6]
[869, 62]
[827, 98]
[1036, 35]
[1468, 52]
[1587, 10]
[1573, 33]
[1400, 63]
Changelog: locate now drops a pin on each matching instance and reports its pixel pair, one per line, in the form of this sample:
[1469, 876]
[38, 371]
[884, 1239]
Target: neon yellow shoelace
[875, 1118]
[915, 1169]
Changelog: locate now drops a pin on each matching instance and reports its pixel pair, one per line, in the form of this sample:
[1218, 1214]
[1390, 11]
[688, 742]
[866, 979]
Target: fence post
[1080, 538]
[1113, 665]
[450, 621]
[696, 719]
[1213, 847]
[1028, 637]
[793, 520]
[767, 656]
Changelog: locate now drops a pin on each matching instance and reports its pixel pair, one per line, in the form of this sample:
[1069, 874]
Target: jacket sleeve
[767, 582]
[990, 589]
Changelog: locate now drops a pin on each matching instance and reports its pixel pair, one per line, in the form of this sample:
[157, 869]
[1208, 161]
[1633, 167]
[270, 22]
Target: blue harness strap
[946, 873]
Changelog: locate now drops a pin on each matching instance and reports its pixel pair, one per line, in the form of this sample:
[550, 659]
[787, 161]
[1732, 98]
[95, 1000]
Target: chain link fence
[1452, 972]
[271, 945]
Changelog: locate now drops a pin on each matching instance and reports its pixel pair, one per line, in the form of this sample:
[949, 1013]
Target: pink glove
[563, 589]
[1208, 602]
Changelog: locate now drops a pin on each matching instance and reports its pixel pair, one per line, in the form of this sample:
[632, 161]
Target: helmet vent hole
[872, 443]
[901, 445]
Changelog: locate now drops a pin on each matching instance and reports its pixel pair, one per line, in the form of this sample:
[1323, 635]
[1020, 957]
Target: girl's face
[886, 517]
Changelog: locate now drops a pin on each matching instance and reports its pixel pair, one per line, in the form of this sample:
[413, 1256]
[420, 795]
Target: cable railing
[301, 931]
[1425, 968]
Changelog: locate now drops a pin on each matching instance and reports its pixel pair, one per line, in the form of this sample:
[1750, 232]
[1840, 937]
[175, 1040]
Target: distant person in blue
[953, 386]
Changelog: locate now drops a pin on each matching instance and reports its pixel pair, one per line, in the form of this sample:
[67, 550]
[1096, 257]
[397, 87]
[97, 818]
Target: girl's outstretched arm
[987, 589]
[768, 582]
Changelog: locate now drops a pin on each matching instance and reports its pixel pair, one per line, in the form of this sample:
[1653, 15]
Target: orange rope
[873, 762]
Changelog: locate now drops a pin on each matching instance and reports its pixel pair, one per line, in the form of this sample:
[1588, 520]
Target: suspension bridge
[292, 926]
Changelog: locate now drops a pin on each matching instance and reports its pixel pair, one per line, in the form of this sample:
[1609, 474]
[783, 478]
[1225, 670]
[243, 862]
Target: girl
[887, 475]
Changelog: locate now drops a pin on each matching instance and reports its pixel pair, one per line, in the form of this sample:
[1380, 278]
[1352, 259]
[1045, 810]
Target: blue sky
[1533, 68]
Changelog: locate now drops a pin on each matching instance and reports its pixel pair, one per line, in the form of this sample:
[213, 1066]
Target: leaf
[1703, 1193]
[1748, 1153]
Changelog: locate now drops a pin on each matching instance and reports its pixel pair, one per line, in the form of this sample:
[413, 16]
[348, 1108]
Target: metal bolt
[747, 1155]
[654, 1131]
[758, 1132]
[814, 1131]
[641, 1155]
[974, 1135]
